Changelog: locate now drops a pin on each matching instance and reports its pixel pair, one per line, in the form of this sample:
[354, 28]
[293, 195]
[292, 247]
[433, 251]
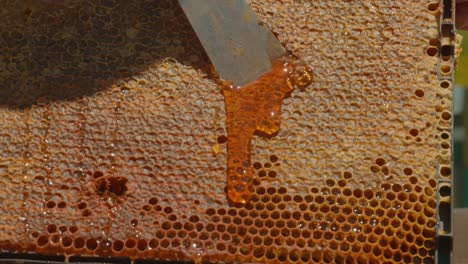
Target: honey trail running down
[256, 108]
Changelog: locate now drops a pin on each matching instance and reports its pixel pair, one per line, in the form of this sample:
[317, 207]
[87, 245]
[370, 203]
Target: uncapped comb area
[113, 138]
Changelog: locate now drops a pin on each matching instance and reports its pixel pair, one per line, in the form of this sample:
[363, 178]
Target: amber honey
[256, 108]
[108, 122]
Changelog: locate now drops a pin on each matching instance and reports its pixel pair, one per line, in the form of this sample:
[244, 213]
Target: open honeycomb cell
[113, 137]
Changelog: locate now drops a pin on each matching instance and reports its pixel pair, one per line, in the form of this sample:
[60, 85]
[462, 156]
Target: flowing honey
[107, 123]
[256, 108]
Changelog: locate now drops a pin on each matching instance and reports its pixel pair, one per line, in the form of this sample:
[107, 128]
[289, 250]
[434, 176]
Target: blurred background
[460, 133]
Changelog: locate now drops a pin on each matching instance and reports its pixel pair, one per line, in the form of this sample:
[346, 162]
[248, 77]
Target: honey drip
[256, 108]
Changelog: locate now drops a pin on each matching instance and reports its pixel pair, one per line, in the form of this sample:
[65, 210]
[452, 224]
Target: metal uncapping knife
[239, 46]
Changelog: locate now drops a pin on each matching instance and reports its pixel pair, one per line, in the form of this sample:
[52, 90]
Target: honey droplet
[256, 107]
[216, 148]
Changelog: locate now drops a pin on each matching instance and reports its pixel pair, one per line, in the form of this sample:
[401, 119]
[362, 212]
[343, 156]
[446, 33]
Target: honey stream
[255, 108]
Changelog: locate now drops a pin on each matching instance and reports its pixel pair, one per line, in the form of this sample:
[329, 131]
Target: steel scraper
[239, 46]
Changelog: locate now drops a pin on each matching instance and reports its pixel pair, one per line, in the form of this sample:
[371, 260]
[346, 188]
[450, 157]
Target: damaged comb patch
[107, 123]
[111, 185]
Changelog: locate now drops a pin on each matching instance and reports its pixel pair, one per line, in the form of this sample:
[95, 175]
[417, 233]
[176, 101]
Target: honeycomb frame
[353, 210]
[447, 58]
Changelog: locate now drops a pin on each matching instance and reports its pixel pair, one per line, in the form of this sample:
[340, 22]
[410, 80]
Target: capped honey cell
[109, 112]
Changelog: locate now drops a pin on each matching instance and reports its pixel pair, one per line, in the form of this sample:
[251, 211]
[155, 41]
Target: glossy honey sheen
[256, 108]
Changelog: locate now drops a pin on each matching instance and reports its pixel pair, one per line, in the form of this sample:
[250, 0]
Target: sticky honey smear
[352, 177]
[256, 108]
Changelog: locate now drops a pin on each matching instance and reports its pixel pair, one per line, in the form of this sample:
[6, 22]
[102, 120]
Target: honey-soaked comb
[114, 140]
[256, 107]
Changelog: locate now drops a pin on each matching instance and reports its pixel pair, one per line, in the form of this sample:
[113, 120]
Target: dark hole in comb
[111, 185]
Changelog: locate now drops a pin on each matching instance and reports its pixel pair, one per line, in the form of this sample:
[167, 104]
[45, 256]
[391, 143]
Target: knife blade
[239, 46]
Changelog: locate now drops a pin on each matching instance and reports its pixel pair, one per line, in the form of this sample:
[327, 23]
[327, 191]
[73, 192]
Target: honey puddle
[256, 108]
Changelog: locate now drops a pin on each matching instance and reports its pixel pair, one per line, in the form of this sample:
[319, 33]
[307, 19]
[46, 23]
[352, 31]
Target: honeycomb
[256, 108]
[113, 136]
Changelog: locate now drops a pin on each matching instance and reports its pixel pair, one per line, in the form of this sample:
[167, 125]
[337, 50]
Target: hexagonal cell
[113, 134]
